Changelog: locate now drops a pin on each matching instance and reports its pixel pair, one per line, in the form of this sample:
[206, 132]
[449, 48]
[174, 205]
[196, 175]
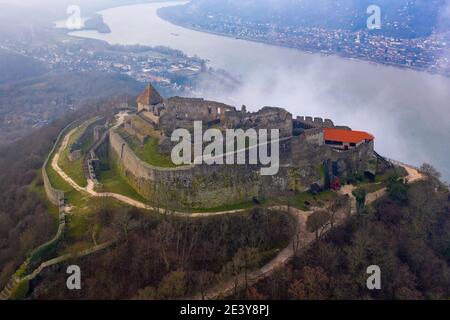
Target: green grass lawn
[74, 197]
[112, 181]
[148, 152]
[20, 292]
[227, 207]
[78, 227]
[74, 169]
[56, 180]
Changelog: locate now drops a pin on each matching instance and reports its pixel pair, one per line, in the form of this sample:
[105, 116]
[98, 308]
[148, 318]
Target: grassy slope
[228, 207]
[148, 152]
[73, 169]
[112, 181]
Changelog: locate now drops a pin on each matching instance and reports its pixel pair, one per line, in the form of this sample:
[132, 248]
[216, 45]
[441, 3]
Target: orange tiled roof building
[346, 139]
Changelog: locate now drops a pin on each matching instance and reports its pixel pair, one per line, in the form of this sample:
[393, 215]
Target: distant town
[171, 70]
[430, 54]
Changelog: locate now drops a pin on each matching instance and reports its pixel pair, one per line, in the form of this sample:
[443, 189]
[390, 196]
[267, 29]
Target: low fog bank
[407, 111]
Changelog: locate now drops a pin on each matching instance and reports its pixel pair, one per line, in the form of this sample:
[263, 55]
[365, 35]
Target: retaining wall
[195, 185]
[303, 164]
[54, 195]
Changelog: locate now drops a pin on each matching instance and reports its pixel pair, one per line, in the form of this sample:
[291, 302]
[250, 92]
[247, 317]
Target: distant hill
[401, 18]
[15, 67]
[37, 100]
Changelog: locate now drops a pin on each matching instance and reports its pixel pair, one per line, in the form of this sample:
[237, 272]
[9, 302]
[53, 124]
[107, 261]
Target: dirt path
[89, 189]
[413, 174]
[55, 161]
[301, 240]
[297, 243]
[228, 288]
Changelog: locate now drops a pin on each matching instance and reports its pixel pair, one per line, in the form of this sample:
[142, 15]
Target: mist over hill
[17, 67]
[401, 18]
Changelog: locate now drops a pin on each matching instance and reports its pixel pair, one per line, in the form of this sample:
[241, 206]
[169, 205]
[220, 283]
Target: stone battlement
[315, 122]
[306, 159]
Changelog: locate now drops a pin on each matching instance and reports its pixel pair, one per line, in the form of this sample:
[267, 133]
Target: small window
[219, 111]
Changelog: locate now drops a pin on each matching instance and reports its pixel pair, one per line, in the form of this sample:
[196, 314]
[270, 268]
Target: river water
[407, 111]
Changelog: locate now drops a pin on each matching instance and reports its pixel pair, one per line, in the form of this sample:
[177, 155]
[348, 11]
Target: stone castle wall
[193, 186]
[315, 122]
[304, 163]
[353, 161]
[312, 161]
[266, 118]
[55, 196]
[182, 112]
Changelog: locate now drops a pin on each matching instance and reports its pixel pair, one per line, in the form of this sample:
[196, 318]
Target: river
[407, 111]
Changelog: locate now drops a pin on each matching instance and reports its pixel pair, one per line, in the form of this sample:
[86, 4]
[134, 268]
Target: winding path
[89, 189]
[301, 240]
[305, 238]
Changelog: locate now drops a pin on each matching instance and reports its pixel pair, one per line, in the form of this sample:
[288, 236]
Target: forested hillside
[17, 67]
[26, 218]
[407, 234]
[34, 101]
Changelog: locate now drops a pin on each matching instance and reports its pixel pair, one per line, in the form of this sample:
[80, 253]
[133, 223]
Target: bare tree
[428, 170]
[318, 222]
[164, 235]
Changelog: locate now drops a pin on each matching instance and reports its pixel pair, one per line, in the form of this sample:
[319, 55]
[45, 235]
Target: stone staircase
[384, 160]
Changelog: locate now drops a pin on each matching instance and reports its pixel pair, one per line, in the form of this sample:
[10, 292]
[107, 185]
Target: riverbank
[307, 84]
[170, 19]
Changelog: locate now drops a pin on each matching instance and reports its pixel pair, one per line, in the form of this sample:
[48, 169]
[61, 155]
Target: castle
[313, 153]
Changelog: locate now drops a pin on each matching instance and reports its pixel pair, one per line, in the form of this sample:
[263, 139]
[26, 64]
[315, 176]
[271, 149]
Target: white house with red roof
[343, 139]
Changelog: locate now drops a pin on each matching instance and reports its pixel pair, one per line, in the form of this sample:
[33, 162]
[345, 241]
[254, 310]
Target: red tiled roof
[349, 136]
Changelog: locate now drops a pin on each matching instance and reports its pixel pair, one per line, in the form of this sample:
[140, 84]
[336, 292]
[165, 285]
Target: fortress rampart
[315, 122]
[307, 157]
[194, 185]
[215, 185]
[55, 196]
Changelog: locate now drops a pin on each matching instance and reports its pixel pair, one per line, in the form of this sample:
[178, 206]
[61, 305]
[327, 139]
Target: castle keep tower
[150, 104]
[149, 99]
